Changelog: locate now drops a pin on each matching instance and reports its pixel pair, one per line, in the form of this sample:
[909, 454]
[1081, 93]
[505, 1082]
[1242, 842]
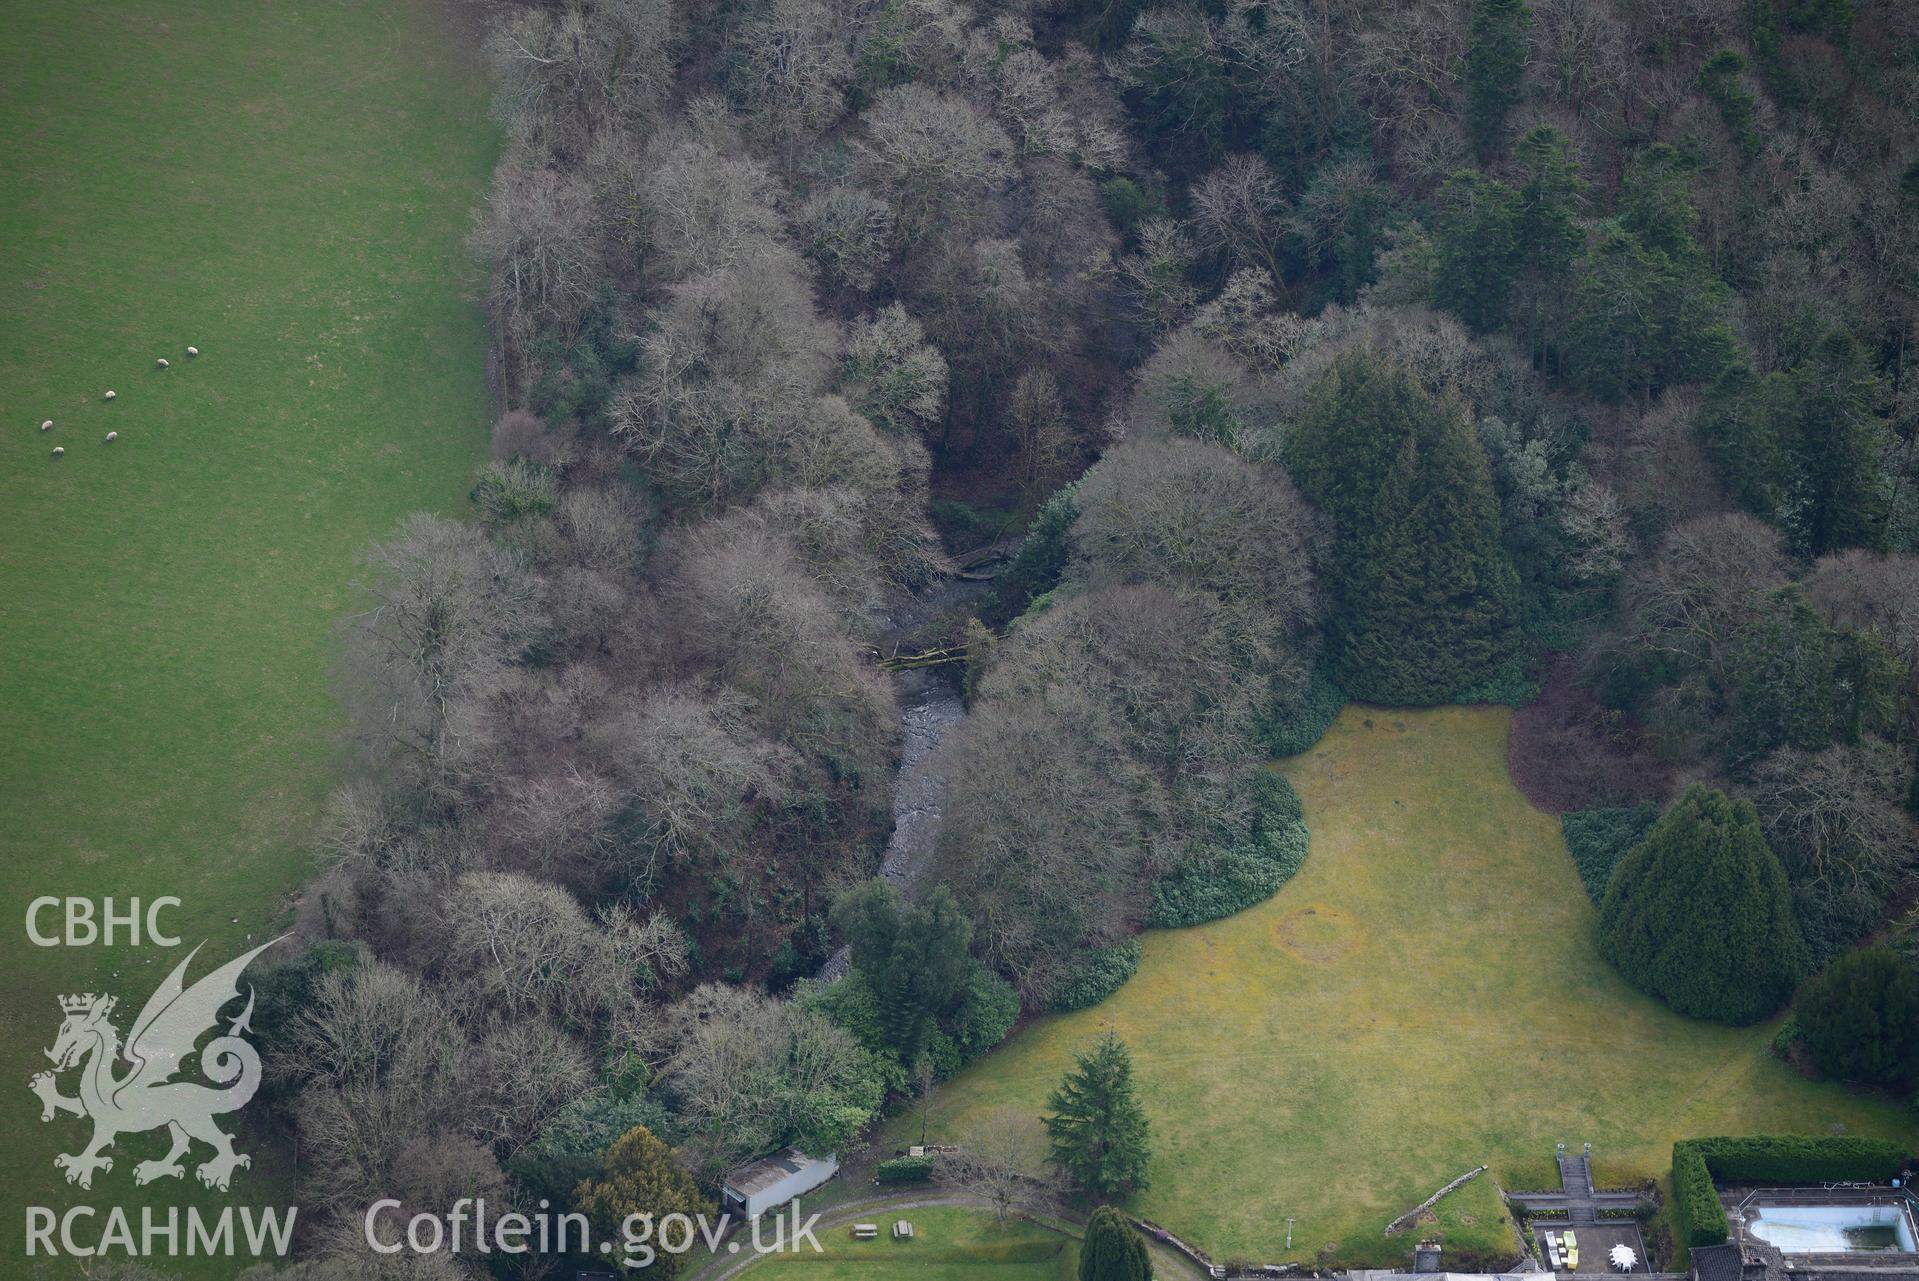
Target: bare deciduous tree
[451, 610]
[934, 155]
[997, 1159]
[1240, 213]
[1835, 817]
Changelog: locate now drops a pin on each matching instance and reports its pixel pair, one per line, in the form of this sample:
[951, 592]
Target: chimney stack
[1426, 1256]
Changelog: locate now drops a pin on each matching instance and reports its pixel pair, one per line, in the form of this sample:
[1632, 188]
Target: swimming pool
[1834, 1229]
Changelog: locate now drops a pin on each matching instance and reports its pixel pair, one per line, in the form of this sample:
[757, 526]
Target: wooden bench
[902, 1230]
[865, 1231]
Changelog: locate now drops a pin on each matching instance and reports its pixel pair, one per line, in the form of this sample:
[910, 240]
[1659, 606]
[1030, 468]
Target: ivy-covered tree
[1424, 597]
[1111, 1249]
[1698, 913]
[1799, 682]
[1861, 1017]
[640, 1176]
[1495, 63]
[1100, 1136]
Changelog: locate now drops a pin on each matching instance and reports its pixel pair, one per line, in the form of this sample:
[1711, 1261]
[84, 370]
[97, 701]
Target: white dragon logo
[145, 1097]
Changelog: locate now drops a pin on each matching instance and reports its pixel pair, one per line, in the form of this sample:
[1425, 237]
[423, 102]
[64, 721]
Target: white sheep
[110, 395]
[112, 436]
[58, 450]
[193, 351]
[47, 425]
[161, 363]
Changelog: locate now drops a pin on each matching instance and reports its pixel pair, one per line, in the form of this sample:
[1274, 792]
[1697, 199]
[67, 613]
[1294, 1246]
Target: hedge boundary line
[1698, 1216]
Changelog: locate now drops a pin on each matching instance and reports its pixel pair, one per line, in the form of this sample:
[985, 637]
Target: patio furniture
[865, 1231]
[902, 1230]
[1623, 1258]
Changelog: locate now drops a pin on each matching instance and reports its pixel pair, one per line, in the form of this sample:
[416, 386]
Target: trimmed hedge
[1097, 975]
[904, 1169]
[1235, 871]
[1291, 725]
[1700, 1219]
[1598, 838]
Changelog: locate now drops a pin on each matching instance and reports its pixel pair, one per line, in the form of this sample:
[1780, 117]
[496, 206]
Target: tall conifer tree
[1424, 595]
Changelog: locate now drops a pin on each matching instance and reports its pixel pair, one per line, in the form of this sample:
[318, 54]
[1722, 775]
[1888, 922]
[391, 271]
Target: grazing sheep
[110, 395]
[193, 351]
[112, 436]
[47, 425]
[59, 450]
[161, 363]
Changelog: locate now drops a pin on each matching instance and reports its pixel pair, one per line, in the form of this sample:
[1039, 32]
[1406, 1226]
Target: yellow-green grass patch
[1424, 997]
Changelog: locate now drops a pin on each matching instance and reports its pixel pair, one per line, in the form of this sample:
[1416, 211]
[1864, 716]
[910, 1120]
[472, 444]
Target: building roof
[1718, 1263]
[761, 1175]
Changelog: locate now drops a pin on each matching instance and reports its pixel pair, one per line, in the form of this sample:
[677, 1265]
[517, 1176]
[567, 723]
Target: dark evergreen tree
[1099, 1133]
[1861, 1017]
[1802, 447]
[1111, 1249]
[1722, 79]
[1698, 914]
[915, 958]
[1495, 62]
[1550, 237]
[1649, 311]
[1477, 248]
[1424, 597]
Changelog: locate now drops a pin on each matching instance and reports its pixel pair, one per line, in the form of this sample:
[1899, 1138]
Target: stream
[929, 705]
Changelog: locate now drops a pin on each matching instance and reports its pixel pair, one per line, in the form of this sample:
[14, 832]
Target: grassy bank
[1424, 997]
[949, 1244]
[286, 186]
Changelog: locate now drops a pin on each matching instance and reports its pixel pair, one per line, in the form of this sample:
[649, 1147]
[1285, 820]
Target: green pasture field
[286, 184]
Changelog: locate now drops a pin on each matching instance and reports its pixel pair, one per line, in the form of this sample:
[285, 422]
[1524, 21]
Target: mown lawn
[949, 1244]
[286, 185]
[1424, 997]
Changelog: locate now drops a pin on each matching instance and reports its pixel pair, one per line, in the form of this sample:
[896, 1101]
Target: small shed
[754, 1189]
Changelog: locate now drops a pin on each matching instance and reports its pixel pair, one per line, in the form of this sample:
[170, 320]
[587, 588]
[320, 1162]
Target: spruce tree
[1111, 1250]
[1495, 62]
[1698, 914]
[1100, 1136]
[1424, 597]
[1861, 1017]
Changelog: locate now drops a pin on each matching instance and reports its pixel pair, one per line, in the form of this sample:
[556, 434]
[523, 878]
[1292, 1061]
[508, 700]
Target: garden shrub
[1598, 838]
[1233, 871]
[986, 1013]
[1767, 1158]
[904, 1169]
[1097, 975]
[1291, 725]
